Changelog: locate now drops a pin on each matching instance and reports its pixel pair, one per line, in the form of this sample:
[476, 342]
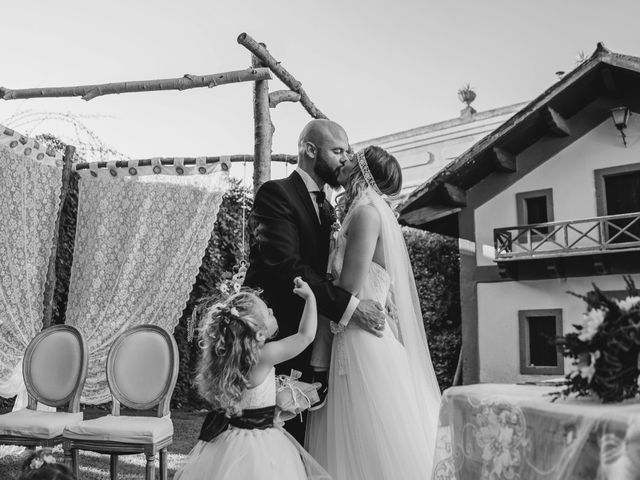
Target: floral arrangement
[605, 348]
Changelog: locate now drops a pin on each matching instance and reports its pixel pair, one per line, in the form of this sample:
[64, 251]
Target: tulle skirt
[238, 454]
[373, 427]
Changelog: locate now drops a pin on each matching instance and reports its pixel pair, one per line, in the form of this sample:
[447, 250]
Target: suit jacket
[286, 241]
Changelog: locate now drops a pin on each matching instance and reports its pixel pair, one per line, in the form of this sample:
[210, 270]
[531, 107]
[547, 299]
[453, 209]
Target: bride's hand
[370, 316]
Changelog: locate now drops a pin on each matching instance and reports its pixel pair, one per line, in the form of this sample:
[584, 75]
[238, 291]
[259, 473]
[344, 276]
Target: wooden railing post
[50, 286]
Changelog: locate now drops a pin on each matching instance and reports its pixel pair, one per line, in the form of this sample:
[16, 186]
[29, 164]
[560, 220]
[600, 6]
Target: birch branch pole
[263, 129]
[89, 92]
[280, 96]
[289, 80]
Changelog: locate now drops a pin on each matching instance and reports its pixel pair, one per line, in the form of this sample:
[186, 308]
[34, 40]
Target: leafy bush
[436, 267]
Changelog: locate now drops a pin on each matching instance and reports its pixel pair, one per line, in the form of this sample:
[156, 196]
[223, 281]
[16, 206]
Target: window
[538, 353]
[618, 192]
[535, 207]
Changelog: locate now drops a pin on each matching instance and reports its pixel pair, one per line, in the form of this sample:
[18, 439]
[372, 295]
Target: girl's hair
[386, 172]
[41, 465]
[230, 346]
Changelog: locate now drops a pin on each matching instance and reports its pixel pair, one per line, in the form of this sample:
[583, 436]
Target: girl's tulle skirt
[238, 454]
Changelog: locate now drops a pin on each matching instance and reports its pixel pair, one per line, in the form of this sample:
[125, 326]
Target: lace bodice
[377, 283]
[263, 395]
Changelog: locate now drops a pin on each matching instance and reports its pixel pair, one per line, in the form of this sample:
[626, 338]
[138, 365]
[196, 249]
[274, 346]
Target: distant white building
[547, 203]
[424, 151]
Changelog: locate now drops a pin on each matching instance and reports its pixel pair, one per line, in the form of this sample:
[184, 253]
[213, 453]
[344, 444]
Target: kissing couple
[381, 392]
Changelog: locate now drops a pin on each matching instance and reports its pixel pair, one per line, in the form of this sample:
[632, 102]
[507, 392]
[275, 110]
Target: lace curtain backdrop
[140, 238]
[30, 185]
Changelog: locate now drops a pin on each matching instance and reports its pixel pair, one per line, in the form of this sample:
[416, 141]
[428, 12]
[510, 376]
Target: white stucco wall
[570, 174]
[498, 325]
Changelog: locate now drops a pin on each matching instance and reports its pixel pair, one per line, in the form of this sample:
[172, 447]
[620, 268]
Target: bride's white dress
[377, 424]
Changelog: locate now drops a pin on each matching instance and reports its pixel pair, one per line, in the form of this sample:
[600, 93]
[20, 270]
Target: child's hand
[302, 289]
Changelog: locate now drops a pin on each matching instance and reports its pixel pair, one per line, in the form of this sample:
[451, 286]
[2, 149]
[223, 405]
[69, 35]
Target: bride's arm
[362, 238]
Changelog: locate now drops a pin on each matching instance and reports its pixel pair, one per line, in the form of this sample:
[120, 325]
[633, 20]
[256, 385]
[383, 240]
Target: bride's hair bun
[385, 169]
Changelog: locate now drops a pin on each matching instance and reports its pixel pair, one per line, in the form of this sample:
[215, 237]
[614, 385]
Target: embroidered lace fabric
[139, 244]
[30, 184]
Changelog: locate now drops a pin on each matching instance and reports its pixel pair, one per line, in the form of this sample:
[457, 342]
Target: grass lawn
[94, 466]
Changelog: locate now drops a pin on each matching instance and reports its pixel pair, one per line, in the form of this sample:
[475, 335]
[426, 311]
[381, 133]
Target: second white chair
[142, 369]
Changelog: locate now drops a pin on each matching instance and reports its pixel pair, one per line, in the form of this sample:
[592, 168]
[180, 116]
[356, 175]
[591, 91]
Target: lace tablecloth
[515, 432]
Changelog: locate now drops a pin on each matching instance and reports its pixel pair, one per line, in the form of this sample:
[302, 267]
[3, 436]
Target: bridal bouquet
[293, 396]
[606, 347]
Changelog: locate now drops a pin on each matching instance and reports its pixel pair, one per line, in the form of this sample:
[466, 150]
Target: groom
[290, 226]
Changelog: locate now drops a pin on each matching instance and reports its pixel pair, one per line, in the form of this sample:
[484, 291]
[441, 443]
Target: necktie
[323, 210]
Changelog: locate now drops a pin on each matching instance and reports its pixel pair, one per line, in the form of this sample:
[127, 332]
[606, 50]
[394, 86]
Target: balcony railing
[573, 237]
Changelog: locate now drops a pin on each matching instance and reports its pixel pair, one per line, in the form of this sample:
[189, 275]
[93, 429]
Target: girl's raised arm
[279, 351]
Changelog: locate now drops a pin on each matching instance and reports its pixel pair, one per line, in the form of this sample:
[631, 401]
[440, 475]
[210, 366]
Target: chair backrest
[55, 367]
[142, 369]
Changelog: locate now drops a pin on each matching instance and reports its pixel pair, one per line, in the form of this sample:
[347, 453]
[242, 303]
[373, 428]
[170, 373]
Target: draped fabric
[30, 185]
[140, 238]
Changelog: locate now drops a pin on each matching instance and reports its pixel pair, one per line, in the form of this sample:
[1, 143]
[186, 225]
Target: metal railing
[572, 237]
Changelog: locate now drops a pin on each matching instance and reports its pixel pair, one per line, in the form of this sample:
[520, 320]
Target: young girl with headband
[240, 438]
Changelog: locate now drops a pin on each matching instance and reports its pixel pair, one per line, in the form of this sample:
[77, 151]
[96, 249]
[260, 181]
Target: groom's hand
[370, 316]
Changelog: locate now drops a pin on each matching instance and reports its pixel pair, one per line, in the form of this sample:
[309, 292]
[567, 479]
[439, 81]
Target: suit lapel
[305, 198]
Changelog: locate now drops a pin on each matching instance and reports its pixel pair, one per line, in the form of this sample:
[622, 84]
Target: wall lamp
[620, 116]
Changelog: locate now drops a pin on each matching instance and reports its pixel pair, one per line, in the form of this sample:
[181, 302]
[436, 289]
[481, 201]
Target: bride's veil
[410, 324]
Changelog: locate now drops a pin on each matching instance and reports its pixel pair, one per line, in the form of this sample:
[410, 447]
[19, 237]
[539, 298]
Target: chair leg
[114, 467]
[163, 464]
[150, 473]
[68, 455]
[75, 464]
[71, 458]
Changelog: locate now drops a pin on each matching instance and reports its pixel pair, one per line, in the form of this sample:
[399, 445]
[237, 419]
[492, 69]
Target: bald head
[320, 130]
[322, 150]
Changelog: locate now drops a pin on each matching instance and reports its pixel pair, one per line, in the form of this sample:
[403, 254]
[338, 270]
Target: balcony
[590, 246]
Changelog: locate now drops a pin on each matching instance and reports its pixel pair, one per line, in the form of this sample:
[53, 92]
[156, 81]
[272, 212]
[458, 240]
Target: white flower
[590, 324]
[234, 312]
[586, 365]
[36, 463]
[223, 288]
[49, 459]
[628, 303]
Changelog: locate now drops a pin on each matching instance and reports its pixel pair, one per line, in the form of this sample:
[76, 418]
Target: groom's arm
[276, 237]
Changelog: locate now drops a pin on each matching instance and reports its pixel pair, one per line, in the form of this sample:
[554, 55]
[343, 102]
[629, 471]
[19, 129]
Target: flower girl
[236, 374]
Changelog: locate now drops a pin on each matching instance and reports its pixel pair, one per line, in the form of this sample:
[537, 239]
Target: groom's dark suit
[287, 241]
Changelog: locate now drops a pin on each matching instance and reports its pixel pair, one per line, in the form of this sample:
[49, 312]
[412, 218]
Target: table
[515, 432]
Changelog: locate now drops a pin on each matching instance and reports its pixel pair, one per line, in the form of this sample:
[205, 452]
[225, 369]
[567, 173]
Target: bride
[381, 416]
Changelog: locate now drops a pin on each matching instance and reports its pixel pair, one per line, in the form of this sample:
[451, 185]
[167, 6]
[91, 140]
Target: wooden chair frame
[70, 403]
[163, 400]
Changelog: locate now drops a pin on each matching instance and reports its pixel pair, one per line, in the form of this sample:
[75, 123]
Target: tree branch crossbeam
[89, 92]
[274, 65]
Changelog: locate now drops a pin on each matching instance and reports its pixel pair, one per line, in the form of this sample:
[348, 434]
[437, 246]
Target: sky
[375, 66]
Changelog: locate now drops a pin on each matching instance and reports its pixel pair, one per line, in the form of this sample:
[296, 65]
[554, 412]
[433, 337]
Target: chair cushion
[122, 429]
[37, 424]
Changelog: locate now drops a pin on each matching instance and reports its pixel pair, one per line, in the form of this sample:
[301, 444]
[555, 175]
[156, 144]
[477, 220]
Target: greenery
[436, 267]
[434, 259]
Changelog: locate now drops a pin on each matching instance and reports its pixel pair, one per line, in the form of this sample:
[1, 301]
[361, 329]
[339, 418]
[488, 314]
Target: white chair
[54, 369]
[142, 369]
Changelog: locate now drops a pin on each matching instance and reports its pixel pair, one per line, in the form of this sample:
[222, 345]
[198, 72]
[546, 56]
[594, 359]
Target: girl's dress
[239, 453]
